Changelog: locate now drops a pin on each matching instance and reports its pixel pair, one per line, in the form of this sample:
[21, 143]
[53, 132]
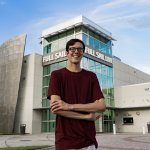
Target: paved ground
[124, 142]
[106, 141]
[26, 140]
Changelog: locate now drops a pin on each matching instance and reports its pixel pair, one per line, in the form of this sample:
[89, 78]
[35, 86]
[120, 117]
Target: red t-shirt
[74, 88]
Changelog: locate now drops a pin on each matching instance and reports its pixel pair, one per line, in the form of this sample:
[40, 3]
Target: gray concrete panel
[11, 57]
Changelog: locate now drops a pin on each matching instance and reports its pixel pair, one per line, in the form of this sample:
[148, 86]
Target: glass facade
[104, 73]
[48, 118]
[93, 40]
[105, 77]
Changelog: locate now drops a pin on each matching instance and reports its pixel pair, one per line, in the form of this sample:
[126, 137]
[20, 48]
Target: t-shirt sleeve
[97, 93]
[54, 85]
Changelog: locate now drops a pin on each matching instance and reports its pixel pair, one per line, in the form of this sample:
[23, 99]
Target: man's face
[75, 53]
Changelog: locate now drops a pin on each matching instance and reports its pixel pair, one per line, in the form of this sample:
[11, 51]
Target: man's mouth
[76, 56]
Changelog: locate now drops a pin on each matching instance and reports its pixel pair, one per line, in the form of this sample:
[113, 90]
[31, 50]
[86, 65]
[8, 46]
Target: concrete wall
[137, 95]
[37, 96]
[30, 95]
[140, 118]
[132, 101]
[11, 56]
[127, 75]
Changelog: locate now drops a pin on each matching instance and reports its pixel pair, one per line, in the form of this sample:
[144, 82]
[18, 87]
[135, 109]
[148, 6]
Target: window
[84, 62]
[91, 65]
[44, 92]
[62, 43]
[54, 46]
[53, 67]
[78, 29]
[128, 120]
[85, 38]
[45, 80]
[62, 64]
[70, 37]
[46, 70]
[84, 29]
[47, 49]
[98, 67]
[96, 44]
[79, 36]
[91, 41]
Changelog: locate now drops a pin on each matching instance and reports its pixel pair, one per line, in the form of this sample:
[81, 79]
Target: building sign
[54, 56]
[98, 54]
[61, 54]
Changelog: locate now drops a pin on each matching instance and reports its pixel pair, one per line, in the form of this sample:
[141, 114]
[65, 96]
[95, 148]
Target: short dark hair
[72, 42]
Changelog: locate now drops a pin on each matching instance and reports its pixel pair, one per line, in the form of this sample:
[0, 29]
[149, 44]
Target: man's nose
[76, 50]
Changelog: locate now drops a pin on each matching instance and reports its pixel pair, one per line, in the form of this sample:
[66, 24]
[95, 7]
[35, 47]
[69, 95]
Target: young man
[75, 97]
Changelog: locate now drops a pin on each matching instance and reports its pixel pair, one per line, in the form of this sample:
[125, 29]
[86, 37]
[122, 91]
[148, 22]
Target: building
[132, 98]
[125, 74]
[97, 58]
[30, 95]
[111, 72]
[24, 80]
[132, 110]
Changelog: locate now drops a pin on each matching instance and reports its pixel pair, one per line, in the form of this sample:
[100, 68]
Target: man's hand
[92, 117]
[59, 105]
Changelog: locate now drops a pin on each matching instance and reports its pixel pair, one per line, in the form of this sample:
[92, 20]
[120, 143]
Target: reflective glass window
[45, 50]
[97, 67]
[62, 43]
[91, 41]
[85, 38]
[44, 115]
[45, 102]
[62, 64]
[84, 29]
[70, 37]
[91, 65]
[96, 44]
[44, 92]
[52, 116]
[79, 36]
[104, 70]
[45, 70]
[54, 66]
[84, 62]
[110, 72]
[78, 29]
[45, 80]
[55, 46]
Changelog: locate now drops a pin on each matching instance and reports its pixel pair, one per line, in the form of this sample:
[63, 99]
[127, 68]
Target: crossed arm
[62, 108]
